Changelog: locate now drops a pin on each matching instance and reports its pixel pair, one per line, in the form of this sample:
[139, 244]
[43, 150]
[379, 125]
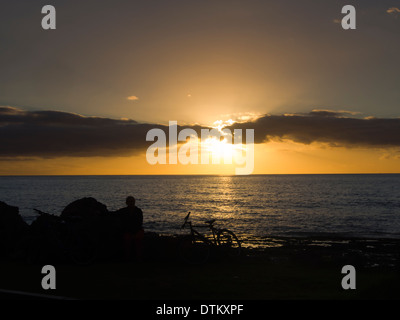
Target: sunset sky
[80, 99]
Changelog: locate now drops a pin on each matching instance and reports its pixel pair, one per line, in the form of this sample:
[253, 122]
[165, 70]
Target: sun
[221, 149]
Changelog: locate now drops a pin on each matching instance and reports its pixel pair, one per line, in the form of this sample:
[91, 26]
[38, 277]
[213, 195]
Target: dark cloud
[55, 133]
[334, 128]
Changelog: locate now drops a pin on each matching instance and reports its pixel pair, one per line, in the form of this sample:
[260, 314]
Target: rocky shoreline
[363, 252]
[268, 267]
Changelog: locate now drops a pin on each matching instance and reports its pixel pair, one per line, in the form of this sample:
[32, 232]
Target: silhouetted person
[132, 228]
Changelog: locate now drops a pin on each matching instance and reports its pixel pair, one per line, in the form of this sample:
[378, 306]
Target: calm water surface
[260, 205]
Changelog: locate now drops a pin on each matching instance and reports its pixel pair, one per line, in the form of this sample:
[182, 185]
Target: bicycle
[195, 248]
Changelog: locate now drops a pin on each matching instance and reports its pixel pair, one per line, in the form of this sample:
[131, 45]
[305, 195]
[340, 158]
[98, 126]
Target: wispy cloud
[393, 11]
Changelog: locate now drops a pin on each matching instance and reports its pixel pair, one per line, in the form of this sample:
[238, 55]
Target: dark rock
[84, 208]
[12, 229]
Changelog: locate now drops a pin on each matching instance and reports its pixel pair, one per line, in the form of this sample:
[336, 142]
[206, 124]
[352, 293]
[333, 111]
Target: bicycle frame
[214, 232]
[193, 252]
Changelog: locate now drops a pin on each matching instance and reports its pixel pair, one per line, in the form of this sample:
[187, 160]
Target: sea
[334, 205]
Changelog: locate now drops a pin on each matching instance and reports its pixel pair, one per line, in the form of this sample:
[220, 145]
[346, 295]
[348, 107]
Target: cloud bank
[334, 128]
[55, 133]
[50, 134]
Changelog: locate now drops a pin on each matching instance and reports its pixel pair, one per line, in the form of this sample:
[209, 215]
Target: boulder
[12, 228]
[84, 208]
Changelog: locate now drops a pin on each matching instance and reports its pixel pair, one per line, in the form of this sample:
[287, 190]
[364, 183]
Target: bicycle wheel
[229, 243]
[193, 250]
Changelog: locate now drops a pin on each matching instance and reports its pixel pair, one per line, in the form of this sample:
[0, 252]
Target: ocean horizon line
[194, 174]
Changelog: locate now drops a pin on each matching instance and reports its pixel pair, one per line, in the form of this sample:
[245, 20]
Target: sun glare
[222, 149]
[219, 148]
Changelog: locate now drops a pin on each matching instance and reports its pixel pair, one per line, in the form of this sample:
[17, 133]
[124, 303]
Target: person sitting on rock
[132, 227]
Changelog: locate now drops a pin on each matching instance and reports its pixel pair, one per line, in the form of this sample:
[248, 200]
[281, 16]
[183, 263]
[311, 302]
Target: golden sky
[275, 158]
